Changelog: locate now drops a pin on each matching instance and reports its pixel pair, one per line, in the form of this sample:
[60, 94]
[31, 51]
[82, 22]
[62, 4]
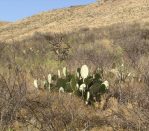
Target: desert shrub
[128, 42]
[12, 91]
[21, 111]
[125, 105]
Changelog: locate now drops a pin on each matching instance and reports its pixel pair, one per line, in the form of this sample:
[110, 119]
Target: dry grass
[124, 107]
[74, 18]
[3, 23]
[127, 43]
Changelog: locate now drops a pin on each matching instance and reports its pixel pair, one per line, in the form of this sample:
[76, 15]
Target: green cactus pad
[61, 83]
[103, 88]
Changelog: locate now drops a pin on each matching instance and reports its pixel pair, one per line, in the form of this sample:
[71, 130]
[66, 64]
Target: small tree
[58, 46]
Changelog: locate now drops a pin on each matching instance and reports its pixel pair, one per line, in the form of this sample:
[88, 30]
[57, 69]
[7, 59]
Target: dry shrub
[23, 109]
[143, 68]
[131, 105]
[57, 112]
[12, 98]
[125, 108]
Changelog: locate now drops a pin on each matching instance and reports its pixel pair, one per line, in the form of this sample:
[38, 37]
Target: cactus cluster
[82, 83]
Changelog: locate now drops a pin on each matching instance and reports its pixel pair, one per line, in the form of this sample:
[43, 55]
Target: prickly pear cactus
[50, 78]
[54, 77]
[65, 71]
[84, 71]
[78, 72]
[104, 87]
[73, 83]
[46, 84]
[59, 73]
[61, 83]
[87, 86]
[36, 83]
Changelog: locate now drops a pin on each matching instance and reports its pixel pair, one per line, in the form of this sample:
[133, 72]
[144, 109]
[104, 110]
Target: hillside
[92, 76]
[3, 23]
[74, 18]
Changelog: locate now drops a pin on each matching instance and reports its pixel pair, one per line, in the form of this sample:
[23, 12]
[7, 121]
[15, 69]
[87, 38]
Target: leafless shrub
[12, 92]
[23, 109]
[39, 110]
[2, 46]
[58, 46]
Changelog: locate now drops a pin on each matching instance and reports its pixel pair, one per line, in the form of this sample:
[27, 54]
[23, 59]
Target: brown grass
[74, 18]
[3, 23]
[125, 107]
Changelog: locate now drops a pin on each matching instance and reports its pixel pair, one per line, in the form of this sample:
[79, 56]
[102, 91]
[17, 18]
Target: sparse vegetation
[3, 23]
[41, 88]
[76, 17]
[124, 106]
